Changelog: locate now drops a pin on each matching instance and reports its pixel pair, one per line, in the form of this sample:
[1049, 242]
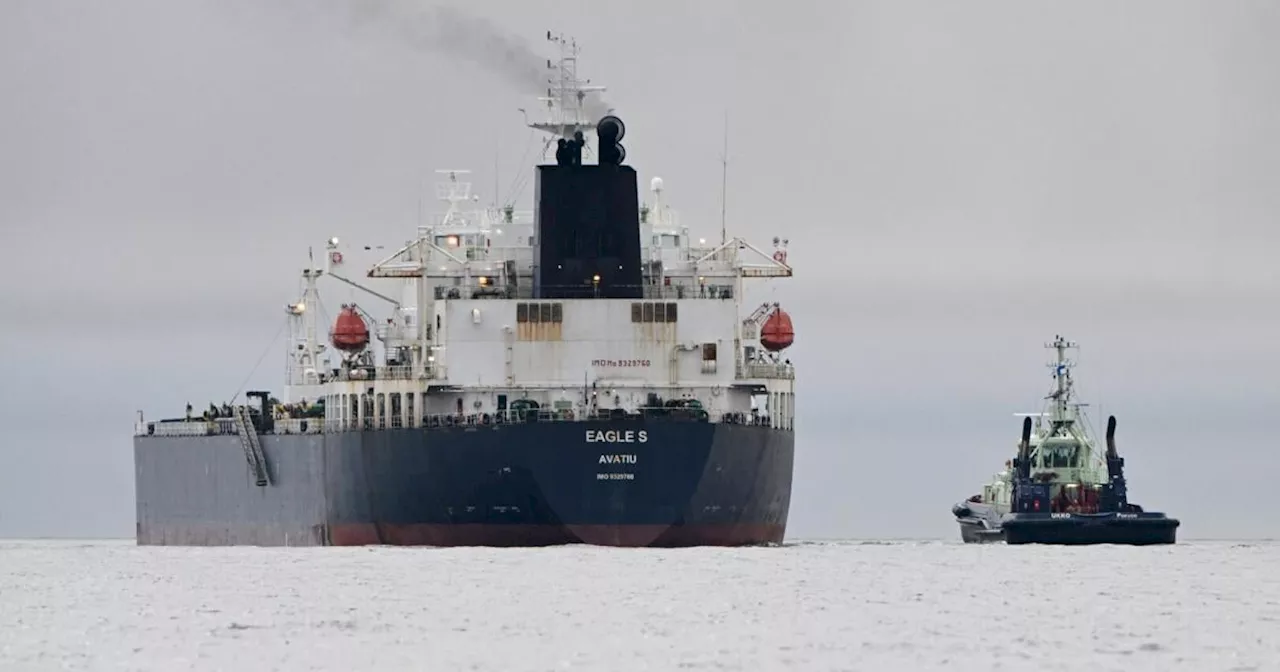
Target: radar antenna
[565, 108]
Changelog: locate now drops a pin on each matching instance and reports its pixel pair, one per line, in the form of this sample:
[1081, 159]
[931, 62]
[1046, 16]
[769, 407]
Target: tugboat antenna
[1061, 367]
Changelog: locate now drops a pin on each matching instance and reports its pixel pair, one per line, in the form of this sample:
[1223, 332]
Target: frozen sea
[803, 606]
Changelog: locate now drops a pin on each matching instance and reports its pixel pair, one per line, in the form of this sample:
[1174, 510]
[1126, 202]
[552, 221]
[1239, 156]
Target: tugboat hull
[1132, 529]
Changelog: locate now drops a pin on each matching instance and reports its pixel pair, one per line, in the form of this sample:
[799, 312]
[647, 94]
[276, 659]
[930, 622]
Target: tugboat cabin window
[1059, 455]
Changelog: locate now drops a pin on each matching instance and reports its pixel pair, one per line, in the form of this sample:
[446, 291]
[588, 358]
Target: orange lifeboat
[349, 333]
[777, 332]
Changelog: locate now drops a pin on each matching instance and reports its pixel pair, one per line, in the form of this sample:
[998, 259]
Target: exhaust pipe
[1111, 436]
[1024, 448]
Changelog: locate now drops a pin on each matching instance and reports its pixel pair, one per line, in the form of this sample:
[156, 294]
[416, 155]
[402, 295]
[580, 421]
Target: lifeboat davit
[777, 332]
[349, 331]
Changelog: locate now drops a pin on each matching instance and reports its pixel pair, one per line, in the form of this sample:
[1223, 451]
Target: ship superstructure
[586, 372]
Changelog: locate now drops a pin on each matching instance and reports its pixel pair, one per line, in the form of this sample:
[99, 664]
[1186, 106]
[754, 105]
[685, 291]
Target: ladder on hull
[252, 447]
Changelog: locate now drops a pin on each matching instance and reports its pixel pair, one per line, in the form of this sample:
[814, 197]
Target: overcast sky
[959, 182]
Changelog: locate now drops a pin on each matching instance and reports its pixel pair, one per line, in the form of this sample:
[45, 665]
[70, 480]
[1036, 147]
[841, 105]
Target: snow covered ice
[805, 606]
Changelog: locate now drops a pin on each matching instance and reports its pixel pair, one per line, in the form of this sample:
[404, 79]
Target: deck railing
[586, 291]
[376, 373]
[434, 371]
[751, 371]
[293, 426]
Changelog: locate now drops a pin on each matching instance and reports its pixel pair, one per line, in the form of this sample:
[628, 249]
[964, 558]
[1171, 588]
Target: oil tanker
[585, 373]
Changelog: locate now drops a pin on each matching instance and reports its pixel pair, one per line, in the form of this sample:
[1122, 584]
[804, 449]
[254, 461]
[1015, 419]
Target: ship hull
[984, 523]
[1132, 529]
[979, 523]
[612, 483]
[977, 533]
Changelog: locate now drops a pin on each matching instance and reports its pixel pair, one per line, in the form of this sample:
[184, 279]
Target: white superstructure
[467, 338]
[1061, 448]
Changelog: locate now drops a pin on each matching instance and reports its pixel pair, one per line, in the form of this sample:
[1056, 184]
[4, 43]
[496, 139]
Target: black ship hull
[1133, 529]
[983, 523]
[612, 483]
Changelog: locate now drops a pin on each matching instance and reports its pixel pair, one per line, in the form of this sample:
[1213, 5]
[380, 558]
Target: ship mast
[303, 362]
[566, 103]
[1061, 396]
[724, 181]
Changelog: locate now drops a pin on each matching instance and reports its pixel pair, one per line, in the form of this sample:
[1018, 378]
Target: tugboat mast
[1062, 375]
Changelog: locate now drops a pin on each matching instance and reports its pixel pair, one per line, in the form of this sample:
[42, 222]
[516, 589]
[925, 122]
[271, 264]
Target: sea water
[804, 606]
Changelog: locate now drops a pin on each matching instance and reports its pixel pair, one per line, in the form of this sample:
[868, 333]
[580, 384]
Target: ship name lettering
[617, 459]
[617, 436]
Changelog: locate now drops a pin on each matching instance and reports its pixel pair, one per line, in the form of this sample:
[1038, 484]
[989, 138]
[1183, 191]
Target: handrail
[286, 426]
[374, 373]
[585, 291]
[747, 371]
[756, 370]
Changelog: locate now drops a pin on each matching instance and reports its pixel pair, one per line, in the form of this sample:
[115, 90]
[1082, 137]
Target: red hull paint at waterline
[656, 536]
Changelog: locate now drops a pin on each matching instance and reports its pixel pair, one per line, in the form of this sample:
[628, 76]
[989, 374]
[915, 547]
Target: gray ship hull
[596, 482]
[979, 523]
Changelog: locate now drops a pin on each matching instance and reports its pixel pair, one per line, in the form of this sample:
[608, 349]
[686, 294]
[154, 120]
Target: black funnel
[587, 229]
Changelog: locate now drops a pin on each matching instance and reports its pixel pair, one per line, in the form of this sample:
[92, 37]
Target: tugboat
[1058, 489]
